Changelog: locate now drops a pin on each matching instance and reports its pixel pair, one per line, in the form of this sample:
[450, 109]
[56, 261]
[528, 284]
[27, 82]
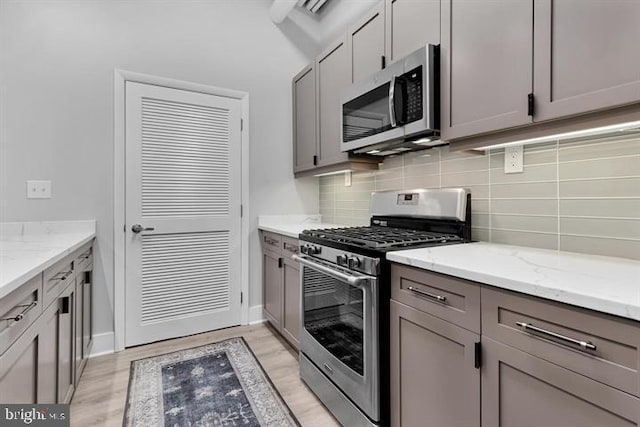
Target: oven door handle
[352, 280]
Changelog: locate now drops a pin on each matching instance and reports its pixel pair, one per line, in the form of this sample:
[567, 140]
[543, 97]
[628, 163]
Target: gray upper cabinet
[304, 119]
[410, 24]
[333, 69]
[586, 56]
[366, 40]
[486, 66]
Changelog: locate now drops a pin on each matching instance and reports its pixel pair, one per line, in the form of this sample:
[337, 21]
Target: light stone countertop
[28, 248]
[292, 225]
[606, 284]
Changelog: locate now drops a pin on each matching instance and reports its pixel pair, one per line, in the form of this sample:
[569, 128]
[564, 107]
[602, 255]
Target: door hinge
[241, 211]
[383, 60]
[477, 355]
[241, 297]
[241, 124]
[279, 262]
[530, 105]
[315, 160]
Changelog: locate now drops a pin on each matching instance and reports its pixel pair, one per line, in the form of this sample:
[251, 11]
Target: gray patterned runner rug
[219, 384]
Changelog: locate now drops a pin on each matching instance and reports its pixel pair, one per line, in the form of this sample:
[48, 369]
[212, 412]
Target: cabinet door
[19, 369]
[486, 66]
[66, 341]
[333, 76]
[366, 39]
[434, 381]
[521, 390]
[304, 120]
[586, 55]
[291, 302]
[272, 288]
[48, 329]
[410, 25]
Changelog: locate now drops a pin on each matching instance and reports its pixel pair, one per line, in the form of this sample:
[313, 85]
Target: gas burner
[381, 237]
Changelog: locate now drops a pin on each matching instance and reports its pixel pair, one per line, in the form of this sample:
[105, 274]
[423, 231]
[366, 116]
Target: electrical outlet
[514, 159]
[347, 179]
[38, 189]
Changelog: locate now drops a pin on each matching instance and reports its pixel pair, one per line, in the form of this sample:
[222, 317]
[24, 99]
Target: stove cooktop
[376, 237]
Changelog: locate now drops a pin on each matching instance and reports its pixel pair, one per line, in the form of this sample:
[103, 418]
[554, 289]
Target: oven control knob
[304, 249]
[314, 250]
[354, 262]
[341, 259]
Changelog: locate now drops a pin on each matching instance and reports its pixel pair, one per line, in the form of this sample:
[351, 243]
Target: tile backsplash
[580, 196]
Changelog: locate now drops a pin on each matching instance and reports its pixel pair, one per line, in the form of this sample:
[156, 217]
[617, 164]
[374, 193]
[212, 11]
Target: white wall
[56, 111]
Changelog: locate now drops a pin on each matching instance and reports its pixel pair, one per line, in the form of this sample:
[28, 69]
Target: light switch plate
[514, 159]
[38, 189]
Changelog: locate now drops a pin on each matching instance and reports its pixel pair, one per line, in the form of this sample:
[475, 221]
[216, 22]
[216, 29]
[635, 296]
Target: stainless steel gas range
[345, 296]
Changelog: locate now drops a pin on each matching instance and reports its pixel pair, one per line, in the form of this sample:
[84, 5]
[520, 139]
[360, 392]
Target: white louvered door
[183, 179]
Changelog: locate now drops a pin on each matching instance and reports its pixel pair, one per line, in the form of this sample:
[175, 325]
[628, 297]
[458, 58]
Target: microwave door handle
[352, 280]
[392, 95]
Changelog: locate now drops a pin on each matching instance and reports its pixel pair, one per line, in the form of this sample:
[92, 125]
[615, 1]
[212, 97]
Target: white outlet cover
[514, 159]
[347, 179]
[38, 189]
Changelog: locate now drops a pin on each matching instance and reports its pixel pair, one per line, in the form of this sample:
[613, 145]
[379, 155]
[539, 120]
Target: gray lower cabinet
[486, 66]
[541, 363]
[521, 390]
[281, 285]
[410, 24]
[42, 354]
[586, 56]
[19, 369]
[434, 378]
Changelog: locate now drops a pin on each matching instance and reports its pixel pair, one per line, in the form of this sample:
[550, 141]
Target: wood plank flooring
[102, 391]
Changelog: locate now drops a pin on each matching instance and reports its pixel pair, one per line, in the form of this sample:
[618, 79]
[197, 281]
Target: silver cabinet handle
[269, 241]
[62, 275]
[392, 111]
[584, 345]
[291, 248]
[18, 317]
[137, 228]
[352, 280]
[438, 298]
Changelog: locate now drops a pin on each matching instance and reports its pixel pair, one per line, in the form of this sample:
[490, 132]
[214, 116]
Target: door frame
[119, 240]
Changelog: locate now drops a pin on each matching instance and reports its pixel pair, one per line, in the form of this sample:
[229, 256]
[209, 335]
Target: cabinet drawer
[289, 247]
[271, 242]
[452, 299]
[553, 331]
[18, 310]
[56, 278]
[83, 257]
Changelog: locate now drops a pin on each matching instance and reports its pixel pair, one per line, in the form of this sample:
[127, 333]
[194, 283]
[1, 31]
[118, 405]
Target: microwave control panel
[413, 81]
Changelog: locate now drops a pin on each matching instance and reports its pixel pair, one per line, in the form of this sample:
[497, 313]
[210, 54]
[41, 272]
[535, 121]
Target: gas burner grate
[381, 237]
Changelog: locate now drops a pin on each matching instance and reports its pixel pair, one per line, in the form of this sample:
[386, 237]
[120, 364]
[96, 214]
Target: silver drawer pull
[269, 241]
[585, 345]
[18, 317]
[439, 298]
[62, 275]
[291, 248]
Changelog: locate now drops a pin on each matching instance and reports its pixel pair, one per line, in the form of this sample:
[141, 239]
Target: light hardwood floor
[102, 391]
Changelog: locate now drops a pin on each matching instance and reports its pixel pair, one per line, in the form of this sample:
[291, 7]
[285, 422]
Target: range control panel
[408, 199]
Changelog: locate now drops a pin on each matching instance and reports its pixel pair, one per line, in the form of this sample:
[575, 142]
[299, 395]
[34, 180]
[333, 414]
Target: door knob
[136, 228]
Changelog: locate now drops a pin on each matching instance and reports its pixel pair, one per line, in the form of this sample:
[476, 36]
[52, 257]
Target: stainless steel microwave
[396, 109]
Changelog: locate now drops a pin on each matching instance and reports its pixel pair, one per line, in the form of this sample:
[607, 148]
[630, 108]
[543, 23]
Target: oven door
[340, 329]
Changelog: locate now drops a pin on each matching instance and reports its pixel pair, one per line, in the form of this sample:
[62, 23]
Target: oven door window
[334, 317]
[366, 115]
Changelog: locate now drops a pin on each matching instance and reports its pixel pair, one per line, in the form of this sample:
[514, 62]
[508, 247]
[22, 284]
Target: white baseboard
[255, 314]
[102, 344]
